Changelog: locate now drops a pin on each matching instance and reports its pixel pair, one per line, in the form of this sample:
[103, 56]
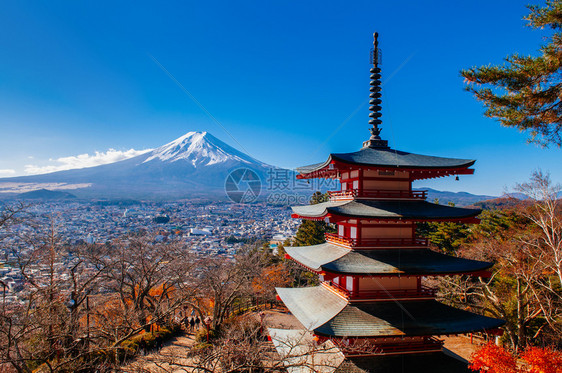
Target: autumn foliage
[271, 277]
[495, 359]
[543, 360]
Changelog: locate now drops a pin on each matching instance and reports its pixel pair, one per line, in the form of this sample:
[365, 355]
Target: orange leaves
[495, 359]
[543, 360]
[271, 277]
[163, 290]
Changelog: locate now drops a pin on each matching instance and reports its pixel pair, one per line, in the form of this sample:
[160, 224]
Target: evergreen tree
[319, 197]
[311, 232]
[446, 236]
[281, 251]
[525, 92]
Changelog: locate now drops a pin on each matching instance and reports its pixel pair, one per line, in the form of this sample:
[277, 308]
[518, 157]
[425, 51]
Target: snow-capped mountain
[195, 164]
[199, 149]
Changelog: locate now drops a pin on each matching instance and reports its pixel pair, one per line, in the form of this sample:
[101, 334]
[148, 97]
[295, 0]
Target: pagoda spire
[375, 140]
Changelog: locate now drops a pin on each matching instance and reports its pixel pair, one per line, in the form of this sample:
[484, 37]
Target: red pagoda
[372, 300]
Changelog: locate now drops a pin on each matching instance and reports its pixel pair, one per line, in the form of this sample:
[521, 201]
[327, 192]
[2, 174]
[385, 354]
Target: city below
[205, 228]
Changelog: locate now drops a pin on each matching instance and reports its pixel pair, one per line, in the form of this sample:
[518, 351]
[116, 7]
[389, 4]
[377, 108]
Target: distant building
[275, 241]
[278, 238]
[90, 239]
[199, 232]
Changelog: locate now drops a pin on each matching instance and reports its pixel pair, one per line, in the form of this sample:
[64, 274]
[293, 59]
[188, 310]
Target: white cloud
[7, 172]
[11, 187]
[84, 160]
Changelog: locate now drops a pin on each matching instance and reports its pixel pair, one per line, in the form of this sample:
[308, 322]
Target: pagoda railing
[424, 292]
[337, 288]
[356, 347]
[377, 194]
[375, 242]
[427, 344]
[382, 294]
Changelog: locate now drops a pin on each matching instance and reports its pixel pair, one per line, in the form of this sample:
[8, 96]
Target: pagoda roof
[385, 157]
[326, 313]
[337, 259]
[312, 306]
[391, 210]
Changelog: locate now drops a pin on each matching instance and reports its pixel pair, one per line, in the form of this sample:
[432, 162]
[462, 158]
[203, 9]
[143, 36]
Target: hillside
[46, 194]
[458, 198]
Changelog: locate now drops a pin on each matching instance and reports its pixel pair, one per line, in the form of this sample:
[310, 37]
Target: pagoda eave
[323, 337]
[333, 168]
[385, 211]
[331, 274]
[332, 261]
[317, 271]
[315, 218]
[332, 218]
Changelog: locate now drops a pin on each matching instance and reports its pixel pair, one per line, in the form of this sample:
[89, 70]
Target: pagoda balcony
[343, 195]
[384, 294]
[359, 347]
[423, 292]
[428, 344]
[375, 242]
[336, 288]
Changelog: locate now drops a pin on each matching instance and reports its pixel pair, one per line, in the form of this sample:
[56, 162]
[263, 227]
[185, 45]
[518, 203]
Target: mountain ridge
[457, 198]
[196, 163]
[45, 194]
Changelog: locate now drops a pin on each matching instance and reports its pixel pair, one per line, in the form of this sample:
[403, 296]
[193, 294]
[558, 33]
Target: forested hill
[500, 203]
[458, 198]
[46, 194]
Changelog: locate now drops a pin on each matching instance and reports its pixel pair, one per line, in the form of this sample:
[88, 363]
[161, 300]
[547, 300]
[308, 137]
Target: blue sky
[287, 80]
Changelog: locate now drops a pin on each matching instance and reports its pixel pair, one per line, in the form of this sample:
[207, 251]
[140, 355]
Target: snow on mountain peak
[200, 149]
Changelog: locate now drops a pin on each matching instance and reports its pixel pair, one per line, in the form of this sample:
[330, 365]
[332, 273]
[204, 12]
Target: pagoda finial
[375, 140]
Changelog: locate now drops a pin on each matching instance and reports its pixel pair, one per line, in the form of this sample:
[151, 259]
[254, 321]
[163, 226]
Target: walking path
[174, 351]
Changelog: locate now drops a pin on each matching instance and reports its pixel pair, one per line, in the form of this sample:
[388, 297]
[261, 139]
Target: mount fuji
[195, 164]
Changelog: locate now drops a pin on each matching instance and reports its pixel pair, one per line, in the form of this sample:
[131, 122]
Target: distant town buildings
[213, 228]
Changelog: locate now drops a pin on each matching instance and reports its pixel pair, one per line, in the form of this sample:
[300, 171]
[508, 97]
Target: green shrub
[130, 346]
[200, 347]
[201, 335]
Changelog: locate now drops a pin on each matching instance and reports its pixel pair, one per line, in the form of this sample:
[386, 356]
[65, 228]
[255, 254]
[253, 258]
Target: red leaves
[543, 360]
[271, 277]
[495, 359]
